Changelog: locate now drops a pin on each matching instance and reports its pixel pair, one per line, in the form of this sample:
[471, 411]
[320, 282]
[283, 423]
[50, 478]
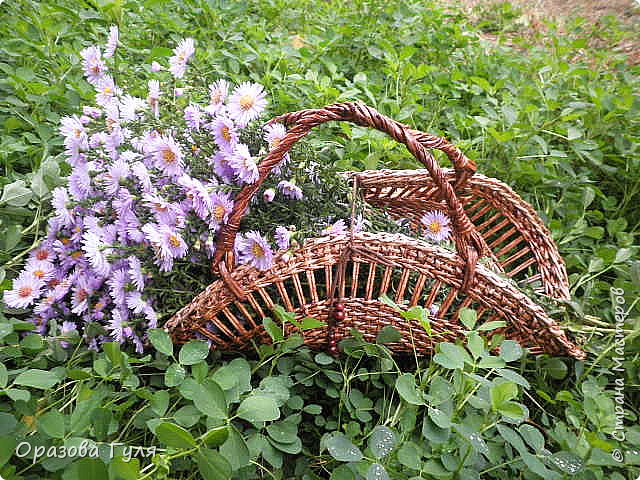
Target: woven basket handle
[468, 241]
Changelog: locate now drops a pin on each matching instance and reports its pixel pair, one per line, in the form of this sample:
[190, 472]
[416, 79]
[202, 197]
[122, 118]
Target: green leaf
[174, 375]
[382, 441]
[112, 349]
[556, 368]
[493, 325]
[119, 469]
[92, 468]
[342, 472]
[16, 194]
[567, 462]
[4, 376]
[212, 465]
[388, 334]
[160, 402]
[532, 436]
[440, 417]
[216, 436]
[309, 323]
[377, 472]
[174, 436]
[52, 423]
[7, 449]
[341, 448]
[161, 341]
[193, 352]
[7, 423]
[235, 450]
[491, 361]
[210, 400]
[475, 344]
[502, 393]
[273, 329]
[258, 408]
[510, 350]
[409, 455]
[35, 378]
[406, 387]
[451, 356]
[468, 317]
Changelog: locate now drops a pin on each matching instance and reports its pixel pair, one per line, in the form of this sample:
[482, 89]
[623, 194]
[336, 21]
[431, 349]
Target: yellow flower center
[39, 273]
[218, 212]
[65, 240]
[216, 97]
[107, 90]
[194, 148]
[25, 291]
[82, 294]
[246, 102]
[226, 134]
[435, 227]
[174, 241]
[77, 132]
[77, 254]
[275, 142]
[168, 156]
[42, 255]
[257, 250]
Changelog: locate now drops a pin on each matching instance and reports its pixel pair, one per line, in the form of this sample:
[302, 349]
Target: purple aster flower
[243, 164]
[80, 293]
[222, 206]
[182, 54]
[290, 190]
[42, 270]
[75, 135]
[106, 90]
[268, 195]
[59, 202]
[433, 310]
[97, 252]
[164, 211]
[135, 273]
[257, 251]
[168, 156]
[193, 116]
[135, 302]
[197, 194]
[112, 42]
[26, 289]
[140, 171]
[338, 228]
[178, 92]
[115, 326]
[151, 316]
[117, 283]
[221, 165]
[155, 67]
[43, 252]
[218, 92]
[129, 105]
[119, 170]
[247, 102]
[168, 244]
[80, 182]
[93, 65]
[153, 97]
[225, 133]
[274, 133]
[92, 112]
[437, 225]
[283, 238]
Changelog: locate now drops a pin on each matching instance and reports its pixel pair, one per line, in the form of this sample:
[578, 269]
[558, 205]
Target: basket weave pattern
[488, 219]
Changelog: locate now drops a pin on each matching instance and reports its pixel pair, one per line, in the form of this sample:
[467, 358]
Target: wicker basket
[353, 271]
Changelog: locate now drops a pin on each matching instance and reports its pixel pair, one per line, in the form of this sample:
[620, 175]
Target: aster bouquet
[155, 165]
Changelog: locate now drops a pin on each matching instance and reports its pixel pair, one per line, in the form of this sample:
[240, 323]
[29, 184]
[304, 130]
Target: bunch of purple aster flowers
[153, 180]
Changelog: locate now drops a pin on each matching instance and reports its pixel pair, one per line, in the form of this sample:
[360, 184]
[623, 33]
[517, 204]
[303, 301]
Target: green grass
[564, 134]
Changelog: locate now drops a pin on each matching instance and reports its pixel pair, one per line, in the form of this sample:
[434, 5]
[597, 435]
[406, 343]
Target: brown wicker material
[511, 228]
[357, 269]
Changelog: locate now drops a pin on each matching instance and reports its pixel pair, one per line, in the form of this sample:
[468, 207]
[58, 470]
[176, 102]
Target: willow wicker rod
[469, 243]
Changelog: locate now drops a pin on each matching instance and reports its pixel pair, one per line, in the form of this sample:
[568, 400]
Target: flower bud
[155, 67]
[268, 195]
